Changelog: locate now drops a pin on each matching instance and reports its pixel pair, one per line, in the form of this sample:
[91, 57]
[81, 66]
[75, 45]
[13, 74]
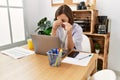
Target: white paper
[17, 52]
[57, 1]
[81, 59]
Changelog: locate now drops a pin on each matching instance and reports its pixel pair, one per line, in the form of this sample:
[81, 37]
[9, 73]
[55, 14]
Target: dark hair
[64, 9]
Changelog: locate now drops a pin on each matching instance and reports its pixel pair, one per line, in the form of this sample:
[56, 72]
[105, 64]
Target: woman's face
[63, 18]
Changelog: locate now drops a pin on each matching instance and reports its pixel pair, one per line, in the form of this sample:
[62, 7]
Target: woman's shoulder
[76, 26]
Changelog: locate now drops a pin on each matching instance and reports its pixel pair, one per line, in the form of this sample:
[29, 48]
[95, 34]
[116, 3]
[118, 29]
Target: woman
[70, 33]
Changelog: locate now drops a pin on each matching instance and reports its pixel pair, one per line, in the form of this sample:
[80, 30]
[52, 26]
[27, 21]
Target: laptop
[44, 43]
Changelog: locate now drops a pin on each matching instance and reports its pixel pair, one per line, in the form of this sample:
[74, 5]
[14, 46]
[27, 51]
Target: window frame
[25, 29]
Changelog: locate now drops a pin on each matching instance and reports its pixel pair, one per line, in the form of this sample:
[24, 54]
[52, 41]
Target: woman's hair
[64, 9]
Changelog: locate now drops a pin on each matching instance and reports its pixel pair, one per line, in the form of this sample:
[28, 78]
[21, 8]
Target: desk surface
[36, 67]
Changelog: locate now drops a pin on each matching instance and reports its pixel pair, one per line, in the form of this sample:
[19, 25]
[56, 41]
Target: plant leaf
[48, 31]
[42, 21]
[45, 26]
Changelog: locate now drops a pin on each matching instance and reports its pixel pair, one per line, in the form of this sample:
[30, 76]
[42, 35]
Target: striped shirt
[76, 35]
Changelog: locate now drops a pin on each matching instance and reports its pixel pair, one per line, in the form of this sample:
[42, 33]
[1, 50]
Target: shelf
[99, 64]
[84, 10]
[95, 34]
[89, 29]
[103, 40]
[101, 56]
[88, 18]
[81, 21]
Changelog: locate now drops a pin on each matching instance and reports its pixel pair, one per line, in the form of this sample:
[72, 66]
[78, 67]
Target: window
[12, 30]
[3, 3]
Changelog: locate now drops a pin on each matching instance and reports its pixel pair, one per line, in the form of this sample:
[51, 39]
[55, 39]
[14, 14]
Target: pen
[85, 57]
[57, 62]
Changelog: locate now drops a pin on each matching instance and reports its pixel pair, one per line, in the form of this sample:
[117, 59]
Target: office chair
[86, 44]
[105, 74]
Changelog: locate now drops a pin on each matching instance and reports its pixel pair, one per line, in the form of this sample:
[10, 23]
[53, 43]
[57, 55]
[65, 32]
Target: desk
[36, 67]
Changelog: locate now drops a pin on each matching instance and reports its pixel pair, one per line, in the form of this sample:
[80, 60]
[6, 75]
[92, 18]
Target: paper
[17, 52]
[81, 59]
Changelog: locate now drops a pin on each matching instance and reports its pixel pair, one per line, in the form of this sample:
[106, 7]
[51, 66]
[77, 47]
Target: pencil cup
[30, 44]
[54, 59]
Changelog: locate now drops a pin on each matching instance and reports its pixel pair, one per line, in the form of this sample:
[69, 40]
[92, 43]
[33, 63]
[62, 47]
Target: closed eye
[63, 20]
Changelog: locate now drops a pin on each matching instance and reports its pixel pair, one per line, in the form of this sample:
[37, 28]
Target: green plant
[44, 26]
[97, 46]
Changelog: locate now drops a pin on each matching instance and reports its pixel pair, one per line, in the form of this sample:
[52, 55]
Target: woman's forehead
[62, 16]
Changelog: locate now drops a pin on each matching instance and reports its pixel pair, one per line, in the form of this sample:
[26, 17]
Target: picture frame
[72, 2]
[60, 2]
[57, 2]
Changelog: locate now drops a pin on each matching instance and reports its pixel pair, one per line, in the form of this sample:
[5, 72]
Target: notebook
[44, 43]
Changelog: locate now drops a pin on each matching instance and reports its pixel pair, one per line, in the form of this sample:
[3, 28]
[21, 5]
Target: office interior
[34, 10]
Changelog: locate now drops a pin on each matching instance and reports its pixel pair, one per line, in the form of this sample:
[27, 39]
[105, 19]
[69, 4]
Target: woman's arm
[70, 43]
[56, 24]
[53, 33]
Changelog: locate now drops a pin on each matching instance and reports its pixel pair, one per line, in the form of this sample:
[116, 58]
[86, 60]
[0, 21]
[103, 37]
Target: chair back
[104, 75]
[86, 45]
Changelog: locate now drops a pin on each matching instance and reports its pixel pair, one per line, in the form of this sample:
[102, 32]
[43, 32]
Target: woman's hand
[68, 26]
[57, 23]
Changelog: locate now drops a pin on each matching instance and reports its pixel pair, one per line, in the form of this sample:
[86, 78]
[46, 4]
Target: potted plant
[44, 26]
[97, 47]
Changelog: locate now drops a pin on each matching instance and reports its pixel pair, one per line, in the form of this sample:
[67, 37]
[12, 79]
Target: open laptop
[44, 43]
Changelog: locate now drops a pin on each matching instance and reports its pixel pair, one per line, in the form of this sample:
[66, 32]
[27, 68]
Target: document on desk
[81, 59]
[17, 52]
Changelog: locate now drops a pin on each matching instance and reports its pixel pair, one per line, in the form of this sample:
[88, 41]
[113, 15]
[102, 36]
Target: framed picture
[78, 1]
[72, 2]
[57, 2]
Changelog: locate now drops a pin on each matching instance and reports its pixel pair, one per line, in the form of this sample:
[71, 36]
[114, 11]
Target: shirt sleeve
[77, 36]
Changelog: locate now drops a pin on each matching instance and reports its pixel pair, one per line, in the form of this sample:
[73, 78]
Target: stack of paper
[81, 59]
[17, 52]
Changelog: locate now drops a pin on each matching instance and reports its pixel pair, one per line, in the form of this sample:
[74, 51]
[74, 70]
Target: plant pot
[97, 51]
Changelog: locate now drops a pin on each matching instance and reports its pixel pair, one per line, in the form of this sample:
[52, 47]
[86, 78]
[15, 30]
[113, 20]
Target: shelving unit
[87, 19]
[103, 40]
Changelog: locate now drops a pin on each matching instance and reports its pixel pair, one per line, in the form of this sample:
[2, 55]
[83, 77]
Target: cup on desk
[54, 57]
[30, 44]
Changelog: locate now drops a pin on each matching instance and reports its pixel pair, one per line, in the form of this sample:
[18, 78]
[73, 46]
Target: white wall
[111, 9]
[37, 9]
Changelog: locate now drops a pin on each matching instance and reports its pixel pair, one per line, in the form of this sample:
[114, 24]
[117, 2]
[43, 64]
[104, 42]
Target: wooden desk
[36, 67]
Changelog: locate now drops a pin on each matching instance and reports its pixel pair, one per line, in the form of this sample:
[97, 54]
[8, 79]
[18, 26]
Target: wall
[37, 9]
[34, 10]
[111, 10]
